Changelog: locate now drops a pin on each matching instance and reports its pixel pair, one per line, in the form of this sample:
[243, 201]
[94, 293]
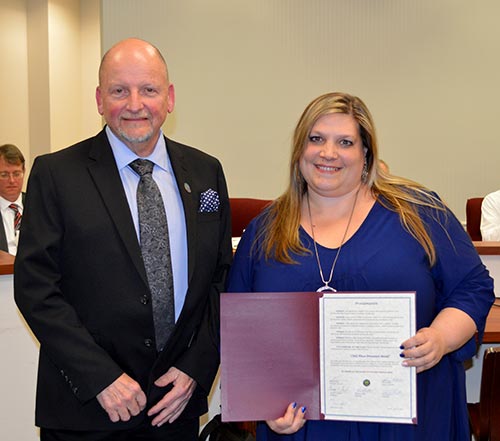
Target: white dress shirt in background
[490, 217]
[8, 222]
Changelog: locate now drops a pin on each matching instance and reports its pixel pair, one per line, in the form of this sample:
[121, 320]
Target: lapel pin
[187, 187]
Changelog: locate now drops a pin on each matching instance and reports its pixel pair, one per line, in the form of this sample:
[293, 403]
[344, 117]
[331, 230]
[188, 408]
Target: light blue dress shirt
[163, 175]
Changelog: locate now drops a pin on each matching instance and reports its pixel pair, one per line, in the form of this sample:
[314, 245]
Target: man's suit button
[144, 300]
[148, 342]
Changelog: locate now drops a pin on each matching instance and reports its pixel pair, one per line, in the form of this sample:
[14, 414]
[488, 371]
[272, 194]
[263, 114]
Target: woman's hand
[425, 349]
[291, 422]
[451, 329]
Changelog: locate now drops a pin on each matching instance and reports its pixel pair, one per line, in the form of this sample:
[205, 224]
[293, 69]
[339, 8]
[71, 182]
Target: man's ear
[98, 100]
[170, 98]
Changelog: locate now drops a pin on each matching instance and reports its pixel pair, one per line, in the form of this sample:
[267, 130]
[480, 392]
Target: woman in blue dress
[345, 224]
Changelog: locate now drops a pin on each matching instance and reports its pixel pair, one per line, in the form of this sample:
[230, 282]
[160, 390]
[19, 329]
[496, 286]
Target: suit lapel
[108, 182]
[189, 201]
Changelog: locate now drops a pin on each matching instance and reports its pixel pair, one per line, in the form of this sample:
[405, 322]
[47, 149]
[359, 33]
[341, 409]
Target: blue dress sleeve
[462, 281]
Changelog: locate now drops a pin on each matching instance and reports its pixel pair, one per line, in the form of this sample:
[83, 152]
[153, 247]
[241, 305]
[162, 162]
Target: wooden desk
[490, 254]
[18, 379]
[487, 248]
[492, 330]
[6, 263]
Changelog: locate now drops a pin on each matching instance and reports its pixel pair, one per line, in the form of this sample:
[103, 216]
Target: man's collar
[4, 203]
[124, 156]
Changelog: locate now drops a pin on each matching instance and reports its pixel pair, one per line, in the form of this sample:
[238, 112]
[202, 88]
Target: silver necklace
[326, 286]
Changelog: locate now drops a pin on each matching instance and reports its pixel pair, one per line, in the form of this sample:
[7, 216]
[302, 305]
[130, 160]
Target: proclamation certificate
[362, 378]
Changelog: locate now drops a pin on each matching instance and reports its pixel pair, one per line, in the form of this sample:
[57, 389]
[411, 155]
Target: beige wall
[14, 121]
[244, 71]
[74, 51]
[51, 50]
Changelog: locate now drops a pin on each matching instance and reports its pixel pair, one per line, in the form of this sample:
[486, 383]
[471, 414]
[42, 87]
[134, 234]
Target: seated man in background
[490, 217]
[11, 197]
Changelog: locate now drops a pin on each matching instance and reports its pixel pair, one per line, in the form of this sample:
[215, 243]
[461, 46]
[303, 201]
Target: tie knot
[14, 207]
[142, 166]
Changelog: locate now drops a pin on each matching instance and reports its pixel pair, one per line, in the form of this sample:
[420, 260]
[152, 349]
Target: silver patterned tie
[153, 228]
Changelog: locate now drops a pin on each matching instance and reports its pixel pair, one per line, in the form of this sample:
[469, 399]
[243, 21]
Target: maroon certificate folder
[262, 336]
[309, 347]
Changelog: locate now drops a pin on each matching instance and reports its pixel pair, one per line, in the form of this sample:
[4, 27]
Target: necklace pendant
[326, 288]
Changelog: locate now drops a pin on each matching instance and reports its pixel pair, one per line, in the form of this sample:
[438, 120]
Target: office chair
[484, 416]
[243, 210]
[473, 218]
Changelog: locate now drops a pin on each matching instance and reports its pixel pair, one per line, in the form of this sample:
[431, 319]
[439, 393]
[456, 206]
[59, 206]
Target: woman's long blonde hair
[279, 229]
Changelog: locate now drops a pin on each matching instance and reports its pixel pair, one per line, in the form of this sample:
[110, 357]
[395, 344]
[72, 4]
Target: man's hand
[174, 402]
[122, 399]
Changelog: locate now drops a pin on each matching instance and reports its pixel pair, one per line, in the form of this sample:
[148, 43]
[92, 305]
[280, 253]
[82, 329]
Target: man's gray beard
[135, 140]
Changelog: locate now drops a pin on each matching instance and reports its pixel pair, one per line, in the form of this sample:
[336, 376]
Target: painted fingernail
[303, 409]
[401, 347]
[402, 355]
[294, 405]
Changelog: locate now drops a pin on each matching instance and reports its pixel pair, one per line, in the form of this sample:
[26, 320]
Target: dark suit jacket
[80, 283]
[3, 234]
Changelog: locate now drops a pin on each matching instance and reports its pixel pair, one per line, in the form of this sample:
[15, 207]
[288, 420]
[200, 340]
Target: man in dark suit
[11, 196]
[81, 281]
